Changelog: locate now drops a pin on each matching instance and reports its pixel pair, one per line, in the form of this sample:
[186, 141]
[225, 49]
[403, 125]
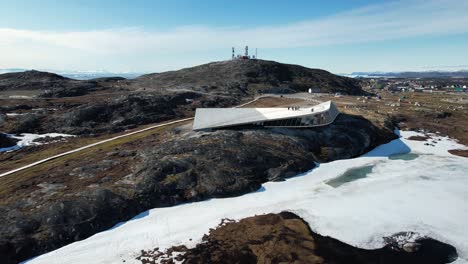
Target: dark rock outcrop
[28, 123]
[24, 235]
[2, 117]
[6, 141]
[200, 165]
[122, 113]
[286, 238]
[116, 114]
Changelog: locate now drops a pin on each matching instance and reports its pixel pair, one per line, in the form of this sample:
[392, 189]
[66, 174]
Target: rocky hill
[47, 84]
[76, 198]
[235, 78]
[26, 79]
[247, 77]
[115, 104]
[155, 97]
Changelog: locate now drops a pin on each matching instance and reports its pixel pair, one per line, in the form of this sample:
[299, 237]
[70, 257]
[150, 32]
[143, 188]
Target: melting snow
[27, 139]
[14, 114]
[426, 195]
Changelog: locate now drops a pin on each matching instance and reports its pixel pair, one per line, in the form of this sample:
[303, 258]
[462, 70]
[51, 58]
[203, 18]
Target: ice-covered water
[407, 156]
[426, 194]
[351, 175]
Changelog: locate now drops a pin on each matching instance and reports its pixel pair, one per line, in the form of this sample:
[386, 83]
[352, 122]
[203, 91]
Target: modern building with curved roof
[214, 118]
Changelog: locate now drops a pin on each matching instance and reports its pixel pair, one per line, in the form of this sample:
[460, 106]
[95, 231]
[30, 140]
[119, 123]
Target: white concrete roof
[222, 117]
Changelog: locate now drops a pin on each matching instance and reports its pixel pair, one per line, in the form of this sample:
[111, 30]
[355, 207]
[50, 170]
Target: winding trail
[107, 140]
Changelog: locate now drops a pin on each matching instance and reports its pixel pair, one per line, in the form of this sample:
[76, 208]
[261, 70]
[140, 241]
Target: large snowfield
[425, 192]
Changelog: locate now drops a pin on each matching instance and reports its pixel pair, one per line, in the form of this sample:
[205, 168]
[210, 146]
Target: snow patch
[14, 114]
[27, 139]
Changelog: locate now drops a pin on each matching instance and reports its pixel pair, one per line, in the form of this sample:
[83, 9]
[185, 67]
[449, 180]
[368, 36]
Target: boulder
[6, 141]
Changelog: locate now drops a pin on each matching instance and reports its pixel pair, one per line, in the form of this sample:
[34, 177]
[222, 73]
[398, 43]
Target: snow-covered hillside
[381, 193]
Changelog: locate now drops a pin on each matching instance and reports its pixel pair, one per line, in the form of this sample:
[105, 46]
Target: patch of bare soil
[419, 138]
[276, 102]
[459, 152]
[286, 238]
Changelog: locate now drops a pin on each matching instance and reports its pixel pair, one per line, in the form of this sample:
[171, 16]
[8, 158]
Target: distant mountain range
[81, 75]
[415, 74]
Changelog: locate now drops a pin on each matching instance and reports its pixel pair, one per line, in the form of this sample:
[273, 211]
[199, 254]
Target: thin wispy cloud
[387, 21]
[447, 67]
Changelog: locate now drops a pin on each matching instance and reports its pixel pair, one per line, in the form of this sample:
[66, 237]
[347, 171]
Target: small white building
[213, 118]
[313, 90]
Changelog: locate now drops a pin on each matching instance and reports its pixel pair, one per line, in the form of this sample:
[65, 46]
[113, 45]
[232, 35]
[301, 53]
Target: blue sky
[149, 36]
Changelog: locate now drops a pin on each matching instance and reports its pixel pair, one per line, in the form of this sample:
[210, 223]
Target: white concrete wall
[206, 118]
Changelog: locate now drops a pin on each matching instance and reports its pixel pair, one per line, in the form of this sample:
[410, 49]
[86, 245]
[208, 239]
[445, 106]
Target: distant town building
[314, 90]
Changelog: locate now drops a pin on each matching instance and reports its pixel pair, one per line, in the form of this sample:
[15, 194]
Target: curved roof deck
[206, 118]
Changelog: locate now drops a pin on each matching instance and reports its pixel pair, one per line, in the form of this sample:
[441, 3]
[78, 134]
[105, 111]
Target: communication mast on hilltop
[245, 56]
